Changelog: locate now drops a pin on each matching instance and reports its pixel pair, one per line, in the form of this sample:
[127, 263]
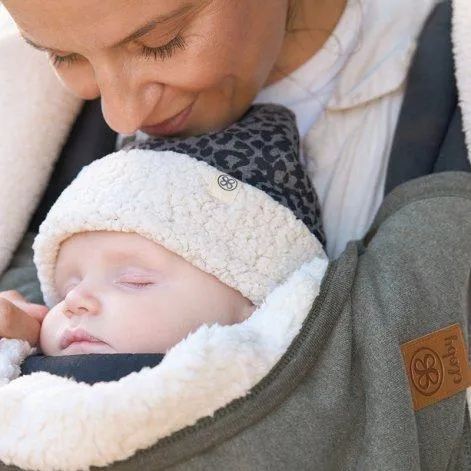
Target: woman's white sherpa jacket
[71, 426]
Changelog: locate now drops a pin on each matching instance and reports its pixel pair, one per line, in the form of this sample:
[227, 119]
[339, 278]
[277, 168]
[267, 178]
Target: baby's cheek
[49, 337]
[146, 327]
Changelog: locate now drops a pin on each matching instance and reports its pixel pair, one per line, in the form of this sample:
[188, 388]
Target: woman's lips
[171, 126]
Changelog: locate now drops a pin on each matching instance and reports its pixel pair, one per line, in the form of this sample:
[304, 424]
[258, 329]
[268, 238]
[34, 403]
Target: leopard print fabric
[262, 149]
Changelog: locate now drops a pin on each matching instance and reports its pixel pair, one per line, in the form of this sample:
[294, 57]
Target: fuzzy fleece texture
[462, 49]
[37, 114]
[12, 353]
[250, 242]
[108, 422]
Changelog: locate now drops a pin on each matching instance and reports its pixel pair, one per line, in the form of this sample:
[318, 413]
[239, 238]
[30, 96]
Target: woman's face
[162, 66]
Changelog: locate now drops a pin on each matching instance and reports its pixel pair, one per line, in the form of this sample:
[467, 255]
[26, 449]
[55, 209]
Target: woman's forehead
[103, 21]
[88, 8]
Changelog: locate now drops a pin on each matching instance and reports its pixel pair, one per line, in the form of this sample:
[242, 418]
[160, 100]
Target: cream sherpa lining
[12, 353]
[30, 95]
[251, 243]
[462, 50]
[51, 423]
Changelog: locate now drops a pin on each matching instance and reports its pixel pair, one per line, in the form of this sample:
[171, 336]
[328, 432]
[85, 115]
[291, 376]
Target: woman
[341, 66]
[186, 68]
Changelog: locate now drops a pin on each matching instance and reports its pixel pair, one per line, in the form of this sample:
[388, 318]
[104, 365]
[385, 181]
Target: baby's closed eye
[137, 280]
[136, 284]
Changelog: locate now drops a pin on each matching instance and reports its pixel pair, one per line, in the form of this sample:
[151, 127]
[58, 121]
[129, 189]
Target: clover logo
[227, 183]
[426, 371]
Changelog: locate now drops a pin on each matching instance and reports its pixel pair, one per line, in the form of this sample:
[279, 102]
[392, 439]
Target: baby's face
[122, 293]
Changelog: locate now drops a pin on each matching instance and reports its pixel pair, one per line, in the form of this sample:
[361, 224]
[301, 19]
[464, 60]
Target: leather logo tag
[437, 366]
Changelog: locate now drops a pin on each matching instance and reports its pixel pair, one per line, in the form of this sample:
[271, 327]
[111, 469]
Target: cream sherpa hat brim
[220, 225]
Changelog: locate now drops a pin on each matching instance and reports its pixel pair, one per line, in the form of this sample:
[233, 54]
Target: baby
[122, 293]
[174, 251]
[145, 247]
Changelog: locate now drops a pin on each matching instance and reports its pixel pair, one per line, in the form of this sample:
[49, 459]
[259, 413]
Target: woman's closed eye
[58, 60]
[166, 51]
[157, 53]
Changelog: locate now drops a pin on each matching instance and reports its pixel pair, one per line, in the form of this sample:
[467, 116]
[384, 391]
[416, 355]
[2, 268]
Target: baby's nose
[80, 302]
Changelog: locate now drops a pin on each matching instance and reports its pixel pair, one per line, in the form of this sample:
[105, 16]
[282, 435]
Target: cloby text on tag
[225, 188]
[437, 366]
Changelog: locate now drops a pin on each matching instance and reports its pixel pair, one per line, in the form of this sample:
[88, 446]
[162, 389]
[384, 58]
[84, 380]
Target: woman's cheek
[79, 80]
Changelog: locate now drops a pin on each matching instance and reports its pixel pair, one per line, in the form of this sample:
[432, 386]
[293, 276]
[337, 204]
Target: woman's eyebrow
[143, 30]
[36, 46]
[161, 19]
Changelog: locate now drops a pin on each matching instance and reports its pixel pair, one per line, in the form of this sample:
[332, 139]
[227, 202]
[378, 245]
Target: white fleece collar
[462, 50]
[52, 423]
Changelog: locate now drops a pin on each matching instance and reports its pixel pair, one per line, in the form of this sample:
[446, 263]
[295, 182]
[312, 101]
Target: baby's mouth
[79, 336]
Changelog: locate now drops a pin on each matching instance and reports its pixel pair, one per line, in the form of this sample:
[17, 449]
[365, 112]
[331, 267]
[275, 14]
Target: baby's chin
[87, 348]
[79, 348]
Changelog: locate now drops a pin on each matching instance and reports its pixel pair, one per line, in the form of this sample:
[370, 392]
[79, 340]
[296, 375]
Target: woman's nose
[80, 302]
[128, 100]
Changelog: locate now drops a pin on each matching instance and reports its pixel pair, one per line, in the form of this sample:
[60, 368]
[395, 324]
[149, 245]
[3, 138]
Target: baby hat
[235, 203]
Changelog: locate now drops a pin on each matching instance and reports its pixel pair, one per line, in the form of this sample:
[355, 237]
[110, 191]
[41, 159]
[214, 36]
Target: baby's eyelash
[136, 284]
[166, 51]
